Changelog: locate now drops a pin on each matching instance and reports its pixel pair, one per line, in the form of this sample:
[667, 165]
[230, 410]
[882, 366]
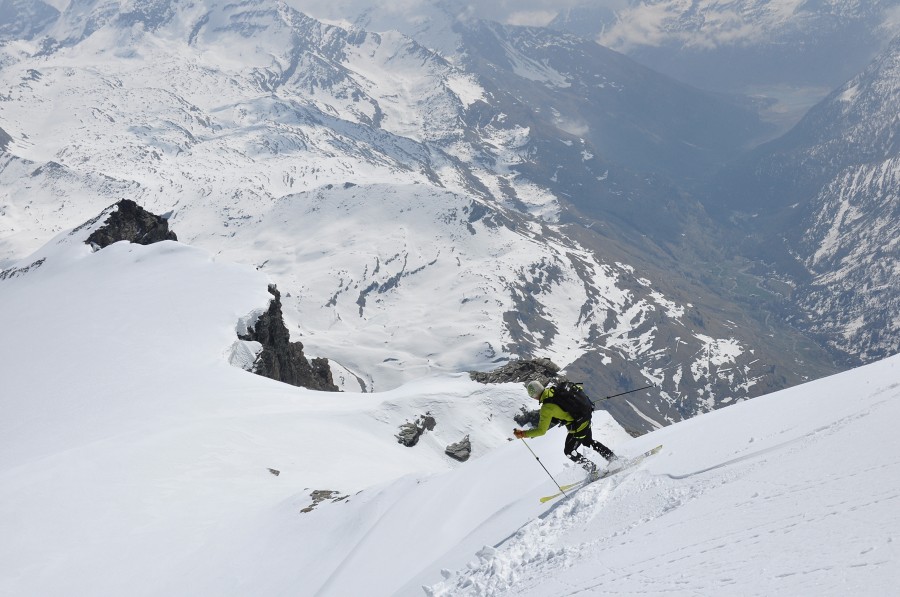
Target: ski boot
[593, 473]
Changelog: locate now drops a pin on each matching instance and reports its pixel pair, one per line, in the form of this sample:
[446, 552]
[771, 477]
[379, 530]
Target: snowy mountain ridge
[768, 45]
[828, 192]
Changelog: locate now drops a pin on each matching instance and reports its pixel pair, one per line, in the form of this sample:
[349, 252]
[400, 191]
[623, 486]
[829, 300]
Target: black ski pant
[575, 439]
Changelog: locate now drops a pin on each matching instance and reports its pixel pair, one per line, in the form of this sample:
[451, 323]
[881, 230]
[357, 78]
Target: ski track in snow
[698, 537]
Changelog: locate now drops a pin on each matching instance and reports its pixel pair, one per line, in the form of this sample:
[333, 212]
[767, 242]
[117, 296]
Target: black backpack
[571, 398]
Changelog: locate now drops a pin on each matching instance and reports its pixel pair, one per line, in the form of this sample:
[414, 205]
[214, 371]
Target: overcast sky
[526, 12]
[505, 11]
[647, 23]
[534, 12]
[517, 12]
[514, 12]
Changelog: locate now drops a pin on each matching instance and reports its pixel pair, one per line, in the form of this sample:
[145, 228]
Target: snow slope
[134, 460]
[133, 455]
[794, 493]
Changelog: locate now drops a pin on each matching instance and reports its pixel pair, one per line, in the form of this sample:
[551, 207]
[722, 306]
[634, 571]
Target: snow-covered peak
[432, 23]
[834, 180]
[858, 121]
[24, 18]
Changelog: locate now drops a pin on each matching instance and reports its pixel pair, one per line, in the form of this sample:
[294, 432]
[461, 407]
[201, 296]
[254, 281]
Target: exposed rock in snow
[519, 371]
[129, 221]
[18, 271]
[460, 450]
[528, 417]
[411, 432]
[320, 495]
[282, 359]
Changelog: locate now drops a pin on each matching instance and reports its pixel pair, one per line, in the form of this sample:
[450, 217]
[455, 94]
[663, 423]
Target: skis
[565, 488]
[632, 462]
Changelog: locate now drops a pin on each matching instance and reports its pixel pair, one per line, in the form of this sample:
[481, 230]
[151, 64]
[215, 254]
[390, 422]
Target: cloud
[688, 23]
[522, 12]
[511, 12]
[573, 126]
[706, 26]
[891, 24]
[530, 18]
[59, 5]
[641, 26]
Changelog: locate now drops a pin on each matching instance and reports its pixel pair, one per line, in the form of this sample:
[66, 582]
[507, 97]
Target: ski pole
[542, 466]
[623, 393]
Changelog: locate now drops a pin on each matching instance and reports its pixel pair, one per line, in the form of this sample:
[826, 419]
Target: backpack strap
[564, 395]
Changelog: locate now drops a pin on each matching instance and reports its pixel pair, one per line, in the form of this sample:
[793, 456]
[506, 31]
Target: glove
[518, 433]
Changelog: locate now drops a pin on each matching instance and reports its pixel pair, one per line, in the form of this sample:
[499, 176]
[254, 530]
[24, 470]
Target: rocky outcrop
[320, 495]
[5, 140]
[521, 371]
[133, 223]
[21, 271]
[281, 359]
[528, 417]
[461, 450]
[411, 432]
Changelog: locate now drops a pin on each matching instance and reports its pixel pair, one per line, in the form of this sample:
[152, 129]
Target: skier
[561, 404]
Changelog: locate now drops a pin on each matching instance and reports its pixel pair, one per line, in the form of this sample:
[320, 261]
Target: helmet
[534, 388]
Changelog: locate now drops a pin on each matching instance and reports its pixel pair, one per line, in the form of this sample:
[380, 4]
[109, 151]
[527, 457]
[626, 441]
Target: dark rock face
[282, 359]
[528, 417]
[411, 432]
[461, 450]
[133, 223]
[5, 140]
[519, 371]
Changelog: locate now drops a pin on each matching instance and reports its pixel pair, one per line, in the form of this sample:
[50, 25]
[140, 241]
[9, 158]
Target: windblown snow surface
[134, 460]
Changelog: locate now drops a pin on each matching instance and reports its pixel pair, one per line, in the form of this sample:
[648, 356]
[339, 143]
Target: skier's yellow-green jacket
[551, 411]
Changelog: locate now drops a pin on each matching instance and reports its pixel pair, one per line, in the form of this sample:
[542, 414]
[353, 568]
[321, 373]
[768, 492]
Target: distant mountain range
[742, 43]
[786, 55]
[443, 195]
[824, 204]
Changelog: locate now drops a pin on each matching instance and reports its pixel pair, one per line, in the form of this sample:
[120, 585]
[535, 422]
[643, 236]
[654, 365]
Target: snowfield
[794, 493]
[135, 460]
